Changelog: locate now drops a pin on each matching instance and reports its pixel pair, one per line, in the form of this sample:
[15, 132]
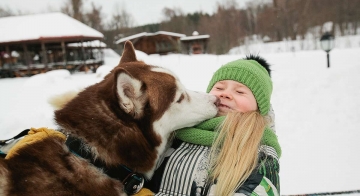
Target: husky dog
[120, 126]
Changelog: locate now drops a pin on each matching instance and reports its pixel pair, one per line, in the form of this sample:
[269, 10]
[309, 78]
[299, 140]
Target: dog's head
[156, 93]
[135, 108]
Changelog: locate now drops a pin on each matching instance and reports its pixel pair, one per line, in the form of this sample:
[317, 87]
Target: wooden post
[26, 55]
[9, 61]
[102, 56]
[44, 59]
[83, 53]
[7, 48]
[64, 52]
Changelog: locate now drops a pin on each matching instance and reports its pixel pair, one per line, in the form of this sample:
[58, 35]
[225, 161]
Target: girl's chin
[221, 113]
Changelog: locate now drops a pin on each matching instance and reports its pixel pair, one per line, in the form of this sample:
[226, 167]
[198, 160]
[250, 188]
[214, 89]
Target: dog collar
[131, 180]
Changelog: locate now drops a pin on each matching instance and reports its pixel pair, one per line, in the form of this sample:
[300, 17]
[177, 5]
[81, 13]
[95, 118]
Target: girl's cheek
[213, 93]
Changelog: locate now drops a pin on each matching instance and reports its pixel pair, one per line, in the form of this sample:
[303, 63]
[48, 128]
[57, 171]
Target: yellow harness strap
[34, 135]
[144, 192]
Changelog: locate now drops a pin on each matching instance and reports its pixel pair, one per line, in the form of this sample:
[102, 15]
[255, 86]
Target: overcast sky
[142, 11]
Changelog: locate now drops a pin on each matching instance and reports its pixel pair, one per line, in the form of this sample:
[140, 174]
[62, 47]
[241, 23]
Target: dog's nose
[217, 101]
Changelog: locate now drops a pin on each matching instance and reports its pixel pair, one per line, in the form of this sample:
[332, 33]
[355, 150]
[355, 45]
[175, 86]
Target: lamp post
[327, 44]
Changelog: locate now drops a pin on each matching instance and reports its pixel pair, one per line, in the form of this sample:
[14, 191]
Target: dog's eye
[180, 98]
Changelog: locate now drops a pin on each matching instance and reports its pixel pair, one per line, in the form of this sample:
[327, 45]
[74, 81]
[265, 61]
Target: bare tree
[4, 12]
[74, 8]
[121, 19]
[229, 25]
[120, 25]
[94, 18]
[226, 27]
[175, 20]
[170, 13]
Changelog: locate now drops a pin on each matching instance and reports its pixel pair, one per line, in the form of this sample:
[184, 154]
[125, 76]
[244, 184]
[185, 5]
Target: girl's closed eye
[218, 87]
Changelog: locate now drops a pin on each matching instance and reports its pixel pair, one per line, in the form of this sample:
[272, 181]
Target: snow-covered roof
[143, 34]
[195, 37]
[44, 27]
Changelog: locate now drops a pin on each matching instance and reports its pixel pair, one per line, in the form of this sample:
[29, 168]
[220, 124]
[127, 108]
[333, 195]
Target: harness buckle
[133, 183]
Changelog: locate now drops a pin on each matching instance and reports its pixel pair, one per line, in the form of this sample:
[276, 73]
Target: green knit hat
[251, 74]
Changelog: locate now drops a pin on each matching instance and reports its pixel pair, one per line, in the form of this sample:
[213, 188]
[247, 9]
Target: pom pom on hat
[253, 72]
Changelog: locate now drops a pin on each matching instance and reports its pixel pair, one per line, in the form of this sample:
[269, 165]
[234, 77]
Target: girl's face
[234, 96]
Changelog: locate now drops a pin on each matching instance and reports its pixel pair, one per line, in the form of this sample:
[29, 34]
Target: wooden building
[38, 43]
[160, 42]
[195, 44]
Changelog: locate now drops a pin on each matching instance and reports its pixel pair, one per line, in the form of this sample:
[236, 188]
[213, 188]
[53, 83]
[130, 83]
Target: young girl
[235, 153]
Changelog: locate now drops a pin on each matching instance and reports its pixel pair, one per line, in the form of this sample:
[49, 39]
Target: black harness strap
[7, 141]
[2, 154]
[131, 180]
[21, 134]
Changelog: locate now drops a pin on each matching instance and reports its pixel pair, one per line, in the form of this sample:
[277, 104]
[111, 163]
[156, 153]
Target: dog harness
[5, 145]
[132, 181]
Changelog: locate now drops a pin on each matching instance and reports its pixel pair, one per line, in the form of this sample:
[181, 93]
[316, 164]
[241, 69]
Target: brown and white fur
[125, 119]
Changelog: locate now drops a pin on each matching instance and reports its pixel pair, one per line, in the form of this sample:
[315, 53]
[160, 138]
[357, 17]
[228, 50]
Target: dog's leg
[47, 167]
[4, 177]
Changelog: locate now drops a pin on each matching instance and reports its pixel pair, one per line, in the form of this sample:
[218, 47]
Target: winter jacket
[184, 172]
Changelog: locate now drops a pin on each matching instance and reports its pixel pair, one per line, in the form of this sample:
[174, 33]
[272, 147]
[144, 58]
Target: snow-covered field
[317, 109]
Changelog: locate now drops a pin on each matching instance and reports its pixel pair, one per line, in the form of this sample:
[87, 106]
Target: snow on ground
[317, 109]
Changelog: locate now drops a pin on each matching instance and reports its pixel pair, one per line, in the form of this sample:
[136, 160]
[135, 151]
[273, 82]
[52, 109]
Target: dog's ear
[128, 54]
[132, 98]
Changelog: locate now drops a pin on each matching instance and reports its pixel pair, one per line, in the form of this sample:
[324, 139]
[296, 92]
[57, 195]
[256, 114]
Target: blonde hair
[234, 154]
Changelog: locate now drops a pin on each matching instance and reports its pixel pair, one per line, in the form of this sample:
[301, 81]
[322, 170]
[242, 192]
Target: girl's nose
[225, 95]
